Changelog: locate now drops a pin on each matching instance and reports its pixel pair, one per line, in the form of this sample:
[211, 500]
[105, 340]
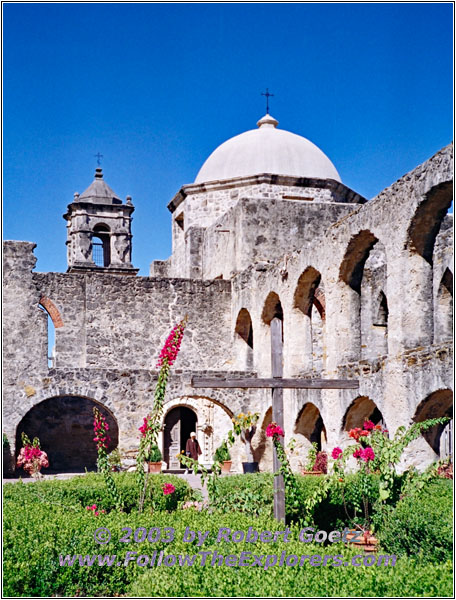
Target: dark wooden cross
[98, 156]
[268, 95]
[277, 384]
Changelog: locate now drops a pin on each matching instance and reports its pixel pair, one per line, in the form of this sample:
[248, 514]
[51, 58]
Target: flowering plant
[102, 440]
[151, 424]
[31, 458]
[94, 510]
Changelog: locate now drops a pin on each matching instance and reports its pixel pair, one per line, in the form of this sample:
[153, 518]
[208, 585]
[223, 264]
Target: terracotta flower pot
[367, 541]
[226, 466]
[154, 467]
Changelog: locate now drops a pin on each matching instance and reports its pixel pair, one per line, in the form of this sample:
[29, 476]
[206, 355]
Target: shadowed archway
[64, 426]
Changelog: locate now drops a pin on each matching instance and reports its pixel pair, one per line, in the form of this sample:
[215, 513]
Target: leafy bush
[420, 524]
[91, 489]
[35, 534]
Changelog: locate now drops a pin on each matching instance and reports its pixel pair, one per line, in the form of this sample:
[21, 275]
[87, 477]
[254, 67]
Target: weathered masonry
[267, 230]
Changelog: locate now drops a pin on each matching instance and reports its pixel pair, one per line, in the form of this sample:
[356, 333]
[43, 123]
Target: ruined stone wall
[365, 252]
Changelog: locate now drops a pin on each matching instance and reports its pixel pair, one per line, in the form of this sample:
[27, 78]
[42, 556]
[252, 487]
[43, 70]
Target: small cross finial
[268, 95]
[98, 156]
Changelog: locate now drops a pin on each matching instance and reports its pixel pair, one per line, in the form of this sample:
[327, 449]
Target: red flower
[368, 425]
[168, 488]
[274, 430]
[336, 453]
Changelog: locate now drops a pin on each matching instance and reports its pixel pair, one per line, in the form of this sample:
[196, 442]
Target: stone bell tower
[99, 231]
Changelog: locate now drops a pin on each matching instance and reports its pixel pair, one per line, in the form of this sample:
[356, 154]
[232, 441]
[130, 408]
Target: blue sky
[157, 87]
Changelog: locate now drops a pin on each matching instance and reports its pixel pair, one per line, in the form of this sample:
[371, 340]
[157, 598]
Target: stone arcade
[267, 230]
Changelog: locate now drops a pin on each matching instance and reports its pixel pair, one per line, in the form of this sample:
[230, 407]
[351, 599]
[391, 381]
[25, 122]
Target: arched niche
[243, 340]
[64, 426]
[437, 404]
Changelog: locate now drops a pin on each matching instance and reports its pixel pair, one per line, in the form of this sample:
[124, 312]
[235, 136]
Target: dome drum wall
[202, 204]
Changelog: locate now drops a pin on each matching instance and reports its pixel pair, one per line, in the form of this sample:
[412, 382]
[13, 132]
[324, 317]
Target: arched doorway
[179, 423]
[64, 426]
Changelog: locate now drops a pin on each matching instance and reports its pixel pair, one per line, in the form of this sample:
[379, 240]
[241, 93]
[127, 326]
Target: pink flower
[96, 513]
[172, 345]
[274, 430]
[168, 488]
[336, 453]
[367, 454]
[368, 425]
[357, 453]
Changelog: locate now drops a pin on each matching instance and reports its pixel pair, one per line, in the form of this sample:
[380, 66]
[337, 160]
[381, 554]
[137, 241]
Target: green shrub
[420, 524]
[91, 489]
[36, 534]
[254, 494]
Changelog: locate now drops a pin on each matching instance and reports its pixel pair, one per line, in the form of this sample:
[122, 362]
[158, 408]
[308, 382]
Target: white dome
[267, 150]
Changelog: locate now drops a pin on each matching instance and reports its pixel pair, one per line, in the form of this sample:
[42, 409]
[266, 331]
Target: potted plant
[114, 460]
[245, 427]
[222, 455]
[31, 458]
[154, 459]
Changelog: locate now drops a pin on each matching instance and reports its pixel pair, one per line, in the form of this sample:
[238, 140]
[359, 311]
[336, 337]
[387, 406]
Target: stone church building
[267, 229]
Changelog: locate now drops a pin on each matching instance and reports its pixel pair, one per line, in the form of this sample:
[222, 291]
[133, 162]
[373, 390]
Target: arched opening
[54, 321]
[243, 345]
[262, 453]
[272, 308]
[439, 438]
[309, 424]
[101, 246]
[361, 270]
[179, 423]
[64, 426]
[379, 336]
[307, 327]
[421, 237]
[360, 410]
[443, 313]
